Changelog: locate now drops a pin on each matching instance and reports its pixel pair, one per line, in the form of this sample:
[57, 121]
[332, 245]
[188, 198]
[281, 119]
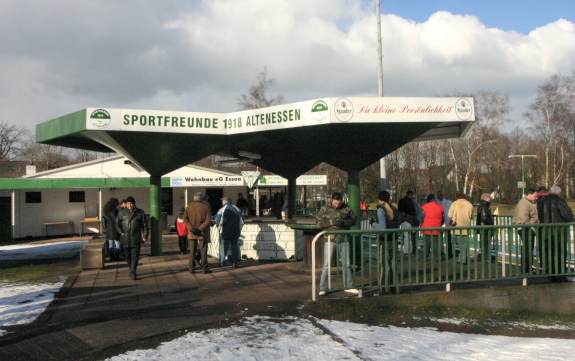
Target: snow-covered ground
[291, 338]
[21, 303]
[41, 251]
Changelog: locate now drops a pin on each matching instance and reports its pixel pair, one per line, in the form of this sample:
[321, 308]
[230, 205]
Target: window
[33, 197]
[77, 197]
[168, 201]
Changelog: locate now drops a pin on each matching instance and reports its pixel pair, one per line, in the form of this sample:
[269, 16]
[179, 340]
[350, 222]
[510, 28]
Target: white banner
[207, 181]
[307, 113]
[304, 180]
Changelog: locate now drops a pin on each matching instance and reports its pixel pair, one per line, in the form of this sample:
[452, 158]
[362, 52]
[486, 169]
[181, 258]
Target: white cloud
[63, 55]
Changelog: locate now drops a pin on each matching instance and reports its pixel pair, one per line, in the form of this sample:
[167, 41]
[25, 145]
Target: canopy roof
[349, 133]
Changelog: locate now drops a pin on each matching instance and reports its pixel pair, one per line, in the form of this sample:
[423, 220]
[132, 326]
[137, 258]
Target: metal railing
[376, 261]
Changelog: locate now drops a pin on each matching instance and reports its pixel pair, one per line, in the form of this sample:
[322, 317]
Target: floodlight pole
[522, 156]
[382, 172]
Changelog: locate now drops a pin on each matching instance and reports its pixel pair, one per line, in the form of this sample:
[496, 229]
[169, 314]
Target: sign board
[207, 181]
[304, 180]
[300, 114]
[250, 178]
[521, 185]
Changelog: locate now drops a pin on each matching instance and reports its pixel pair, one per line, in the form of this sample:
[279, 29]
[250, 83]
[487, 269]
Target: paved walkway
[102, 312]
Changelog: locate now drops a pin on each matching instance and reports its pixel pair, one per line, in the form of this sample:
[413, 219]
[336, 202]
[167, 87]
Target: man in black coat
[132, 225]
[485, 218]
[554, 242]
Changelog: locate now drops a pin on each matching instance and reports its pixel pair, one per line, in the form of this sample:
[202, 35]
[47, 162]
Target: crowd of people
[539, 206]
[126, 228]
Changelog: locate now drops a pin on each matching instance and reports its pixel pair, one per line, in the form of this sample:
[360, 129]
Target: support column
[305, 197]
[186, 199]
[257, 197]
[155, 233]
[291, 196]
[100, 211]
[13, 215]
[353, 195]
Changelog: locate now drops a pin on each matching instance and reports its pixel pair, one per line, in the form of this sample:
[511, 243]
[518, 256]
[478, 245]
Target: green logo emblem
[319, 106]
[100, 117]
[319, 110]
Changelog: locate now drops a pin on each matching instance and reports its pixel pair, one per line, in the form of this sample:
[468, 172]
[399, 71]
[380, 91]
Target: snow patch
[41, 251]
[22, 303]
[292, 338]
[255, 338]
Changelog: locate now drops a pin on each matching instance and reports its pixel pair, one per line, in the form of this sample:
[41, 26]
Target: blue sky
[517, 15]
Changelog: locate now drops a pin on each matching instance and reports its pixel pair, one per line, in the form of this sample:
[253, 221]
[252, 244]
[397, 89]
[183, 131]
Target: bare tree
[11, 140]
[552, 114]
[44, 156]
[257, 96]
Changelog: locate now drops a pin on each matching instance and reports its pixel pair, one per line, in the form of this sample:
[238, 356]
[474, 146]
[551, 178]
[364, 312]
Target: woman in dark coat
[112, 237]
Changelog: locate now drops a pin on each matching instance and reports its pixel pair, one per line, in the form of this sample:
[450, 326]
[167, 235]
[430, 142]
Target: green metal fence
[377, 261]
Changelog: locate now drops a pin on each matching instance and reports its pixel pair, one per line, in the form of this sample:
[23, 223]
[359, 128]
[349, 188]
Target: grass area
[375, 311]
[40, 272]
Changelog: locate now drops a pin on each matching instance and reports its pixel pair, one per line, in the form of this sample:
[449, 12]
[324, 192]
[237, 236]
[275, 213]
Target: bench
[70, 224]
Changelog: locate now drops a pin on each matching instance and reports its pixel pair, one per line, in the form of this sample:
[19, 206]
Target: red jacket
[181, 228]
[433, 216]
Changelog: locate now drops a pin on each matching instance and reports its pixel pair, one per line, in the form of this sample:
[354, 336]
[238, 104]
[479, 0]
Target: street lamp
[382, 171]
[522, 156]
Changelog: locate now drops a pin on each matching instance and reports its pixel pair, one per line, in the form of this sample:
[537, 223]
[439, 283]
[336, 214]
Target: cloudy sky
[59, 56]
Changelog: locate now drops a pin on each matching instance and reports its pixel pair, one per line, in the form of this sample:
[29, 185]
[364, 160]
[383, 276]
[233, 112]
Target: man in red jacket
[432, 217]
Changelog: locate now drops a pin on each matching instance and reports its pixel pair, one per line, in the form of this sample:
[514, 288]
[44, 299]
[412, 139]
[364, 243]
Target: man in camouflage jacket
[336, 216]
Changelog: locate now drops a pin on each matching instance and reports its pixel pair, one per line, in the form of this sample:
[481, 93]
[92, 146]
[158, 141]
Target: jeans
[113, 249]
[462, 242]
[328, 251]
[225, 245]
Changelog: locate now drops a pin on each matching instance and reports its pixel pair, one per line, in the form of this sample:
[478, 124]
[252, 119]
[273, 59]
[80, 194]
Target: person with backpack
[229, 221]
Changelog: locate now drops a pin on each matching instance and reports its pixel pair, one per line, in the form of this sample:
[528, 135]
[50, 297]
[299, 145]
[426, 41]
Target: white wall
[55, 207]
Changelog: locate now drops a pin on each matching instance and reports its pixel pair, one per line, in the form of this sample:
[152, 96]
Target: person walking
[110, 230]
[526, 215]
[336, 216]
[197, 218]
[554, 243]
[132, 225]
[460, 213]
[432, 218]
[485, 218]
[182, 231]
[229, 221]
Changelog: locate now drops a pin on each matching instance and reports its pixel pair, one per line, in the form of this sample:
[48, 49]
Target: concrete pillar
[257, 196]
[186, 199]
[291, 196]
[100, 230]
[13, 214]
[155, 201]
[353, 195]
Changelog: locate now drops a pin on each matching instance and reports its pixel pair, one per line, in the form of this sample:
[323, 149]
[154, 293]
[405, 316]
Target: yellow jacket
[460, 214]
